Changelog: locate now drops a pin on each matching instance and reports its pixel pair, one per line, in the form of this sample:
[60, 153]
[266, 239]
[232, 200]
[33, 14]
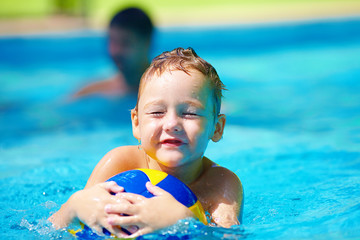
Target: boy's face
[175, 118]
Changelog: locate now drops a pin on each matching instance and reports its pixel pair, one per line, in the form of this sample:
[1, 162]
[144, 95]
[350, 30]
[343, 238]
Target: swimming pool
[292, 135]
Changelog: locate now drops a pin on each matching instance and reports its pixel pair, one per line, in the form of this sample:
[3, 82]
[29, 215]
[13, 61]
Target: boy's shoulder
[216, 178]
[124, 149]
[216, 172]
[117, 160]
[128, 155]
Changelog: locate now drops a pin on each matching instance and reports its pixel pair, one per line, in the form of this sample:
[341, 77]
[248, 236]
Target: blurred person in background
[130, 32]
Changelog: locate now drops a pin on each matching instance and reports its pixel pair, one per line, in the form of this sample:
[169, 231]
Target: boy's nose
[172, 123]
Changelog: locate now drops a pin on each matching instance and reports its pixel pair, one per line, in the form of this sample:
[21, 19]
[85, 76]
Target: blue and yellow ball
[134, 181]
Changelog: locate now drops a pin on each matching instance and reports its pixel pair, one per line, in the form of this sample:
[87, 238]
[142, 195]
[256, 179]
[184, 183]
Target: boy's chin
[171, 160]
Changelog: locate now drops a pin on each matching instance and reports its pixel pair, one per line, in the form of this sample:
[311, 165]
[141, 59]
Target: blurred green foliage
[23, 8]
[99, 12]
[26, 8]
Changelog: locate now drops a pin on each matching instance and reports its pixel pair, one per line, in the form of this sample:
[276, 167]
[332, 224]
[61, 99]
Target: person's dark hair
[133, 19]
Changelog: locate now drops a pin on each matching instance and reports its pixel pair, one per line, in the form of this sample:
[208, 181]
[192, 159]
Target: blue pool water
[292, 135]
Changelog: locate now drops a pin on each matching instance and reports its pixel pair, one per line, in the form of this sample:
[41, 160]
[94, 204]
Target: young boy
[177, 113]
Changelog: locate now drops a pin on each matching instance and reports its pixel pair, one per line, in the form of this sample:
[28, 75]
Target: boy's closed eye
[157, 113]
[191, 111]
[155, 110]
[162, 113]
[190, 115]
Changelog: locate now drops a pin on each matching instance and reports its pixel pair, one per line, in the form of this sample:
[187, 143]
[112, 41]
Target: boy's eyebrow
[193, 103]
[196, 103]
[154, 102]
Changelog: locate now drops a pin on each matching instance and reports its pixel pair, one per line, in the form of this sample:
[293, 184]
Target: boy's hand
[88, 206]
[145, 215]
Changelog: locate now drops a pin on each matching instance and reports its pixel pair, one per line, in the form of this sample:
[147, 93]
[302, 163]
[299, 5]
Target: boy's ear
[135, 123]
[219, 128]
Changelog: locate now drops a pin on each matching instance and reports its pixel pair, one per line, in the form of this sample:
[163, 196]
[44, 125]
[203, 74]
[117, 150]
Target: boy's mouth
[172, 142]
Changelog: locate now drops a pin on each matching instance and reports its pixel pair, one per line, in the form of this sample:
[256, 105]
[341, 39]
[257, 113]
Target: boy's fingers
[124, 208]
[106, 185]
[132, 229]
[157, 191]
[118, 199]
[98, 230]
[131, 197]
[140, 232]
[116, 231]
[112, 229]
[112, 187]
[124, 221]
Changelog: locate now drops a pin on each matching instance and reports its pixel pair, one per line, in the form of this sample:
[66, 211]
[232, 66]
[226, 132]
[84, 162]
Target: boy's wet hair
[133, 19]
[184, 60]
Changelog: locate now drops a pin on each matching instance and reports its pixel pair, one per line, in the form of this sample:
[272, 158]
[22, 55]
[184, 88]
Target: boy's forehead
[194, 80]
[175, 76]
[176, 82]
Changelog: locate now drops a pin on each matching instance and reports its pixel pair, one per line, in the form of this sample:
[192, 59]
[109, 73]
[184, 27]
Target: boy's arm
[88, 204]
[85, 205]
[226, 196]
